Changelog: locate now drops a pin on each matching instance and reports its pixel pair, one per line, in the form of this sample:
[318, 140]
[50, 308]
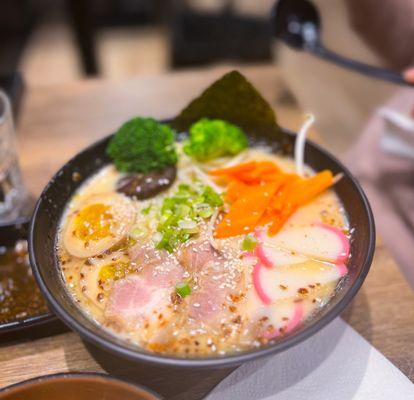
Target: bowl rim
[79, 375]
[210, 362]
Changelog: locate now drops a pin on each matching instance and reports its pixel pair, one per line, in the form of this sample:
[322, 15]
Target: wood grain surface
[56, 122]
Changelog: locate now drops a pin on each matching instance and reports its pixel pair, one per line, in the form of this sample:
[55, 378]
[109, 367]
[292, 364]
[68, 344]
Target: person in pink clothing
[387, 26]
[387, 177]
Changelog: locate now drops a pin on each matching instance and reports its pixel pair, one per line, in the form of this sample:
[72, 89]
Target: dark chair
[88, 16]
[200, 38]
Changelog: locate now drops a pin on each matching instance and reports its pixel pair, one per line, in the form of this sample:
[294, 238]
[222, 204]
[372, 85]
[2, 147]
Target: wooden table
[59, 121]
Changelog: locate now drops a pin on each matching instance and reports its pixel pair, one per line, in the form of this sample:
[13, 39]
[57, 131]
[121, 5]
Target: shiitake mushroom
[144, 186]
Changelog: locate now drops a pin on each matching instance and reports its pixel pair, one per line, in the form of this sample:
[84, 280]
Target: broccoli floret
[212, 138]
[142, 145]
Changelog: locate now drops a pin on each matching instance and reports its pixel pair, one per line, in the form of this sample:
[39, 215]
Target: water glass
[13, 195]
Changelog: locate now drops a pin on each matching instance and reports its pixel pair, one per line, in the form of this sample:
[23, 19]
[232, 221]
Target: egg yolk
[93, 222]
[113, 271]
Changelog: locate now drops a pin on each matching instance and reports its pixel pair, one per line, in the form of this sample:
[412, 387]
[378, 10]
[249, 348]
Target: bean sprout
[236, 160]
[337, 178]
[300, 143]
[210, 228]
[206, 179]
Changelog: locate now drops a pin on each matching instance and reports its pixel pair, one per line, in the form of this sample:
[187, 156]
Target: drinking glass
[13, 194]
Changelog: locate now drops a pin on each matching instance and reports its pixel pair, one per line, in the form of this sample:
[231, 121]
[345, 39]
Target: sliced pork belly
[165, 275]
[144, 254]
[194, 255]
[133, 299]
[209, 299]
[158, 266]
[216, 279]
[143, 297]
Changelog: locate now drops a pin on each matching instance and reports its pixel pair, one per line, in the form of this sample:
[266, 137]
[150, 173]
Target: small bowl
[42, 247]
[32, 326]
[76, 386]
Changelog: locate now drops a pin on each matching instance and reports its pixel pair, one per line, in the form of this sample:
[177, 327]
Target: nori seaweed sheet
[233, 98]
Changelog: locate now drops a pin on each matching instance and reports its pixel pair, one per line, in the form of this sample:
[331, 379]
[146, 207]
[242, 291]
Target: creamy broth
[239, 299]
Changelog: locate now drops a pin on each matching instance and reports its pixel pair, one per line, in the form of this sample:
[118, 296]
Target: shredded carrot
[252, 171]
[235, 190]
[263, 171]
[283, 195]
[311, 187]
[234, 170]
[268, 216]
[246, 211]
[260, 194]
[280, 219]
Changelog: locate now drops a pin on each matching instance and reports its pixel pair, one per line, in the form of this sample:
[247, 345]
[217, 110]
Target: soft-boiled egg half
[98, 223]
[95, 275]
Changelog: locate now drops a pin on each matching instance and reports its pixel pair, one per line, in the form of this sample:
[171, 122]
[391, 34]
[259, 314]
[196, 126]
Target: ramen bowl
[44, 258]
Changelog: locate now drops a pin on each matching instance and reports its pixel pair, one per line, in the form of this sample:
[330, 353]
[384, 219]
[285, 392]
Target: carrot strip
[267, 217]
[233, 170]
[280, 219]
[251, 172]
[260, 194]
[313, 186]
[235, 190]
[297, 194]
[283, 195]
[263, 171]
[246, 211]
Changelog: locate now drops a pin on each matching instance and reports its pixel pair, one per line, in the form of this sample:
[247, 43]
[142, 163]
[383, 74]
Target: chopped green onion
[204, 210]
[146, 210]
[137, 232]
[249, 243]
[189, 226]
[183, 289]
[181, 213]
[156, 237]
[211, 197]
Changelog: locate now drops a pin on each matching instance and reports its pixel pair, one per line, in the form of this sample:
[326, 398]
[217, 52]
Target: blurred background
[59, 41]
[46, 43]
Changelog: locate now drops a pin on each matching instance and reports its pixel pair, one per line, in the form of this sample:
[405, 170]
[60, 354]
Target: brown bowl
[76, 386]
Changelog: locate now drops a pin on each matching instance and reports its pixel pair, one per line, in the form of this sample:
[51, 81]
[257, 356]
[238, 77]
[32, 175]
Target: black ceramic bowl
[42, 243]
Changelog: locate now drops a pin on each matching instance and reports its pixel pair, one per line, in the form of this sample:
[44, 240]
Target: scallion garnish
[183, 289]
[181, 213]
[138, 232]
[249, 243]
[146, 210]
